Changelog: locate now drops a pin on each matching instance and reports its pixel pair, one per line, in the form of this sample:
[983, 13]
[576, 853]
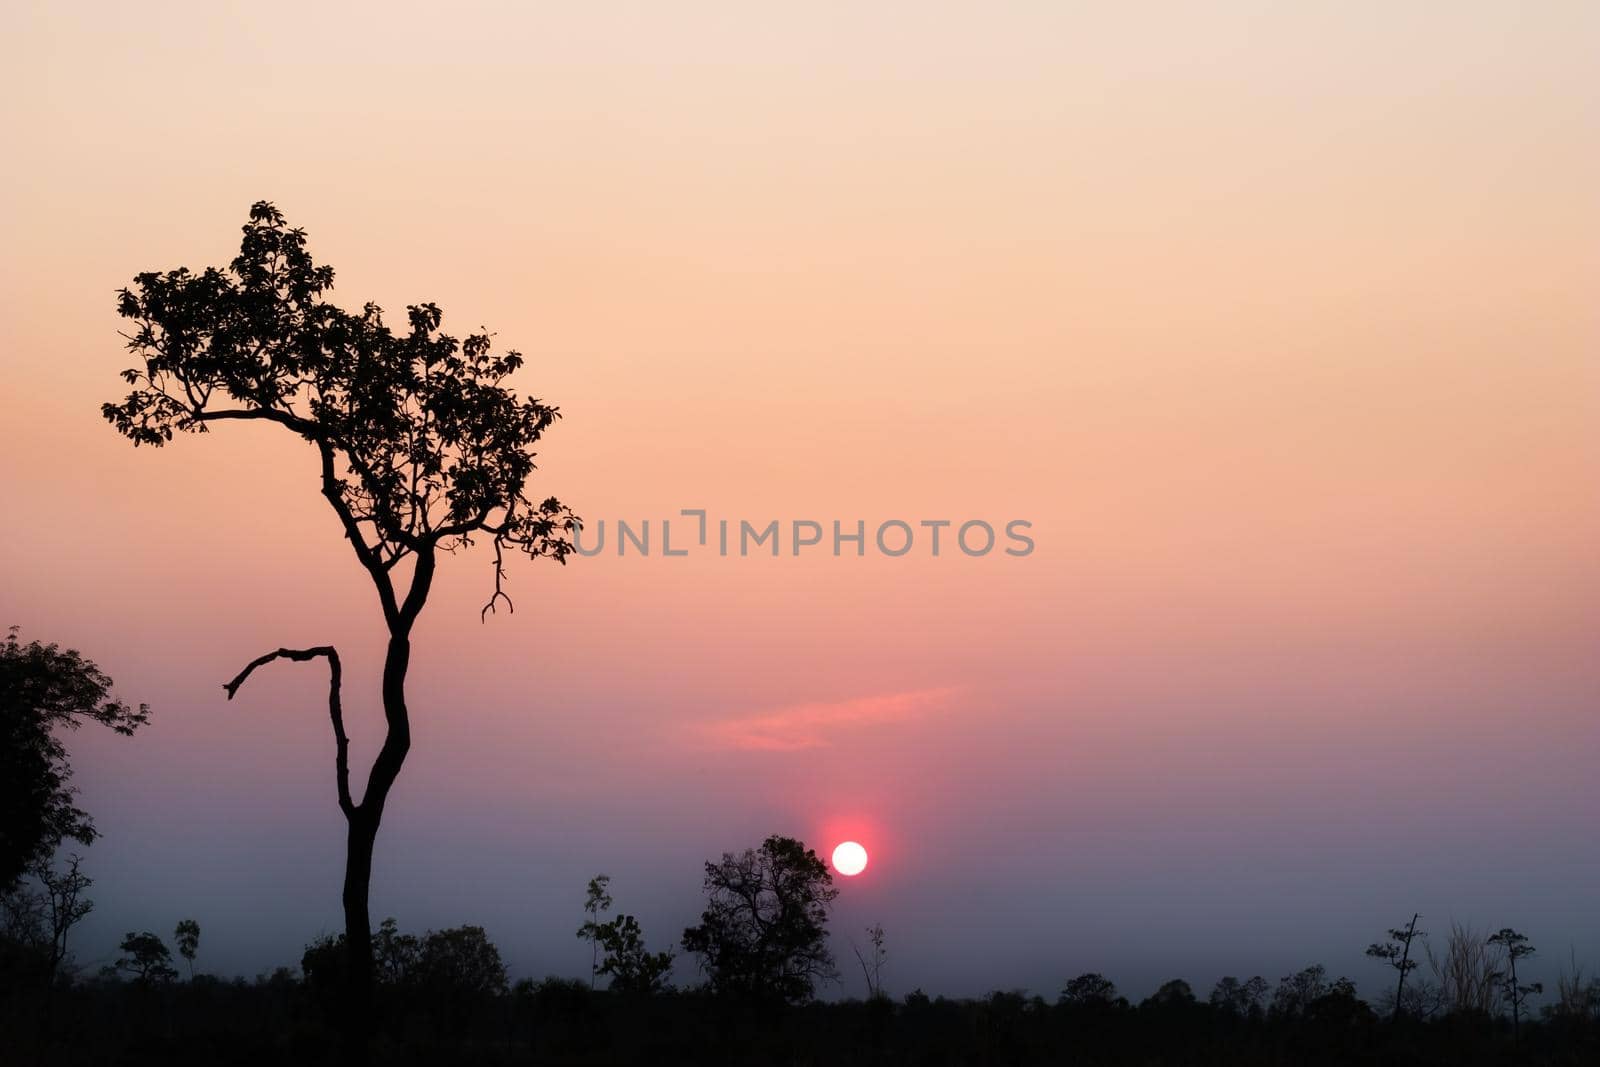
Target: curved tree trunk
[363, 820]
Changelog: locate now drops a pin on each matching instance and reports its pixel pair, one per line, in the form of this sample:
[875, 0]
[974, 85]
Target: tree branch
[469, 526]
[335, 711]
[369, 559]
[499, 578]
[294, 422]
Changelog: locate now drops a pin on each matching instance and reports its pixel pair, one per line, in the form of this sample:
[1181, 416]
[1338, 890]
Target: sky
[1275, 323]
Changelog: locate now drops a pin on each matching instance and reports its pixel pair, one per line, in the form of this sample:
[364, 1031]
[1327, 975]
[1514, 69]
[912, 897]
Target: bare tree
[872, 961]
[1421, 999]
[1467, 970]
[421, 448]
[66, 905]
[1575, 997]
[42, 920]
[1396, 952]
[1296, 991]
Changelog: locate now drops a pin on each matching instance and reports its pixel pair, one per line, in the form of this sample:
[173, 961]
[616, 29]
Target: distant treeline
[762, 952]
[444, 996]
[284, 1018]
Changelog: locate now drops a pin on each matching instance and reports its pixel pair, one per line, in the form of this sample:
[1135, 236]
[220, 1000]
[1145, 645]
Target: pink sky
[1276, 322]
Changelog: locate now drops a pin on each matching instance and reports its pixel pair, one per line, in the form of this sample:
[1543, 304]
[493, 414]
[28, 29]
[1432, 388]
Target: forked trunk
[362, 819]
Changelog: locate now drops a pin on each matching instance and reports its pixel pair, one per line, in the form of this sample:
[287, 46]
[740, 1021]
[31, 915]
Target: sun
[849, 859]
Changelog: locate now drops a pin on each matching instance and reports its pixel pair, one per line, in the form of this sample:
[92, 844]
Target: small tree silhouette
[631, 967]
[1173, 994]
[1396, 952]
[461, 960]
[596, 901]
[1090, 990]
[147, 958]
[39, 922]
[1297, 992]
[765, 928]
[1244, 999]
[396, 956]
[187, 937]
[421, 445]
[872, 961]
[1516, 947]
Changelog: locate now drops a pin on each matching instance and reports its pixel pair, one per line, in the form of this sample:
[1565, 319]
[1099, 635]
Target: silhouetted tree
[1575, 997]
[1173, 994]
[324, 966]
[1421, 999]
[457, 970]
[1244, 999]
[36, 923]
[421, 445]
[396, 956]
[1296, 992]
[147, 958]
[187, 938]
[596, 901]
[764, 931]
[1339, 1006]
[1516, 947]
[66, 906]
[873, 960]
[1396, 952]
[1091, 990]
[1467, 970]
[461, 959]
[43, 691]
[630, 966]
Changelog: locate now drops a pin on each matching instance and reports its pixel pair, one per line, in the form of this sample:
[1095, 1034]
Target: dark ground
[281, 1020]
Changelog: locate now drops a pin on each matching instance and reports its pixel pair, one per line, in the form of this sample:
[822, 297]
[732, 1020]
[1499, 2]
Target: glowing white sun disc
[849, 858]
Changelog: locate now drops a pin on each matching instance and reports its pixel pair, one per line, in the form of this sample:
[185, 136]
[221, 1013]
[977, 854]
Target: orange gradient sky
[1276, 321]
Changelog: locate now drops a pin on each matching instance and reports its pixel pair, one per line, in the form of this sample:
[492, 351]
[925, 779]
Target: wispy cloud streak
[816, 725]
